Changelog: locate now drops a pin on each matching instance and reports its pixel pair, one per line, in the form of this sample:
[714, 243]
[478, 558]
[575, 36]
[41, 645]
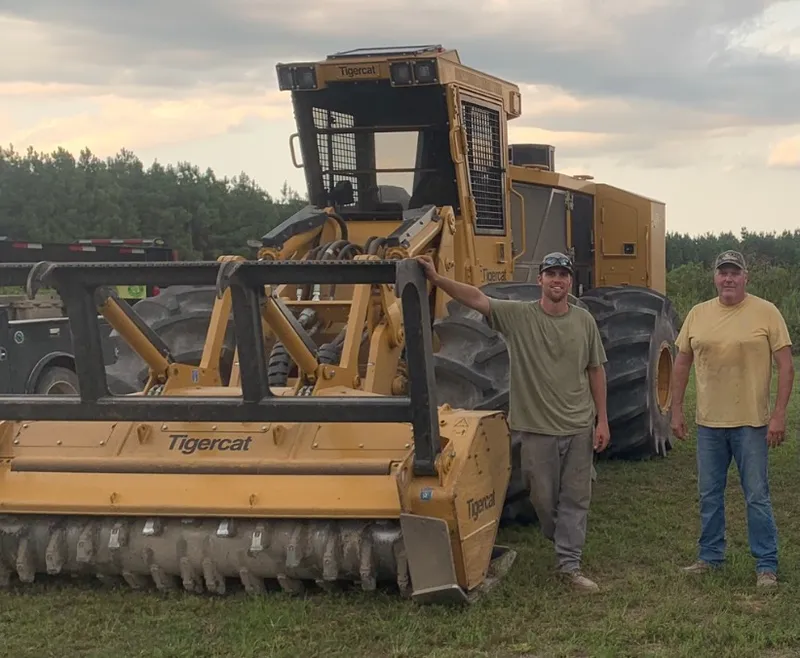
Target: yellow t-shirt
[733, 347]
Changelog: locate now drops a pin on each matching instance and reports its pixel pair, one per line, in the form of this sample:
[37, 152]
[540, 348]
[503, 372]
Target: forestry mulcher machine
[320, 414]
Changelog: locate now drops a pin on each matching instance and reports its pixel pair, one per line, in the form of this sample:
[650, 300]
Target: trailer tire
[57, 380]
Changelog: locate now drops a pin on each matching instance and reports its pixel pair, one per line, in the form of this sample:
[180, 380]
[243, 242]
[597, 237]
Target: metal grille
[484, 159]
[337, 152]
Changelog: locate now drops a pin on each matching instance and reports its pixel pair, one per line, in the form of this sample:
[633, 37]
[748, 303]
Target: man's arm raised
[462, 292]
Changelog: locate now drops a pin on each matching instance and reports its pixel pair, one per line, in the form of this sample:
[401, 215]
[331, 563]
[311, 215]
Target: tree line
[60, 197]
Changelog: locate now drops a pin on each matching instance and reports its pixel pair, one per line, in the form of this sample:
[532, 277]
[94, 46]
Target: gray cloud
[675, 61]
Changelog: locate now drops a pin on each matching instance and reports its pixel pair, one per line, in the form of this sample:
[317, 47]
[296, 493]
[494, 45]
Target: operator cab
[373, 136]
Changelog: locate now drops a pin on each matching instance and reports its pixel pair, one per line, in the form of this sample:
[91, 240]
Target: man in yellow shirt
[732, 340]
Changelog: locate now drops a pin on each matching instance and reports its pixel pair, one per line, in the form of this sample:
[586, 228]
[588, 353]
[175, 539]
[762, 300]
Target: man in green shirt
[557, 388]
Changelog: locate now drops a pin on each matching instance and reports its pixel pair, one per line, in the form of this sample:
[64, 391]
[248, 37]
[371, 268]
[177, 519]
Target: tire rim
[61, 388]
[664, 378]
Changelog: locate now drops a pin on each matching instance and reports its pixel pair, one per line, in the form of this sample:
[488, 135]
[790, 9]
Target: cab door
[581, 240]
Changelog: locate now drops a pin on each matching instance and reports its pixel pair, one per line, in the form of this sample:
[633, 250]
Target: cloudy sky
[694, 102]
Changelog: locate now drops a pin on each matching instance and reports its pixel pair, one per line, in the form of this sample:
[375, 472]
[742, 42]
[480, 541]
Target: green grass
[642, 529]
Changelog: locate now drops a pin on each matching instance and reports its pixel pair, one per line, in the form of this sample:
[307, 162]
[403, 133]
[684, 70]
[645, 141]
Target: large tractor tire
[472, 372]
[639, 327]
[180, 315]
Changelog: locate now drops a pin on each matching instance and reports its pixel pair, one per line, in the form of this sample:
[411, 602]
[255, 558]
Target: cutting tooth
[330, 562]
[257, 539]
[215, 582]
[152, 528]
[252, 583]
[292, 561]
[191, 577]
[366, 565]
[86, 549]
[226, 528]
[192, 581]
[163, 581]
[56, 552]
[200, 556]
[293, 550]
[26, 568]
[291, 585]
[9, 532]
[118, 537]
[135, 580]
[401, 560]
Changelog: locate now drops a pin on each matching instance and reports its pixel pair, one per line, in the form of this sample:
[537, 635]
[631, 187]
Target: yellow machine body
[321, 413]
[194, 497]
[389, 135]
[116, 480]
[618, 236]
[614, 236]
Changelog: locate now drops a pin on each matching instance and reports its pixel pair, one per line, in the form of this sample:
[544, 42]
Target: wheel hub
[663, 381]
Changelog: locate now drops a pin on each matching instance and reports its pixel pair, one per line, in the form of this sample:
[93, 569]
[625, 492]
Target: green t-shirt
[549, 356]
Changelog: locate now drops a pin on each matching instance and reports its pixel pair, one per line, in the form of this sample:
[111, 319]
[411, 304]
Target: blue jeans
[747, 446]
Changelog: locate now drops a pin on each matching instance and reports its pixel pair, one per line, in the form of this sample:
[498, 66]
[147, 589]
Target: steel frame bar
[78, 283]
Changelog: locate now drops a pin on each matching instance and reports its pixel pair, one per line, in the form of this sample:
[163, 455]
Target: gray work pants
[559, 472]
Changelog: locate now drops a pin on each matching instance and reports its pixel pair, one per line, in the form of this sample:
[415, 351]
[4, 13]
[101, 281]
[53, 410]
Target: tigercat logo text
[476, 507]
[188, 446]
[358, 71]
[493, 276]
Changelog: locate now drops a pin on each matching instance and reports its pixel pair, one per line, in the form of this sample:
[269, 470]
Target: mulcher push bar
[77, 283]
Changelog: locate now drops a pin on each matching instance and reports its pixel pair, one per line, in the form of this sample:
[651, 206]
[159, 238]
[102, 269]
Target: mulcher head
[191, 483]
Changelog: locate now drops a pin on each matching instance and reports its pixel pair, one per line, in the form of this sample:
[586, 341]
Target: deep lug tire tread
[634, 323]
[180, 315]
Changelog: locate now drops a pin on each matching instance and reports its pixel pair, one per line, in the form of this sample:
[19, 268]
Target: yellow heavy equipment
[319, 413]
[195, 480]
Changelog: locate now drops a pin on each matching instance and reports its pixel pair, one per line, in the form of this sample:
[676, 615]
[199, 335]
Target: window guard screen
[337, 151]
[484, 160]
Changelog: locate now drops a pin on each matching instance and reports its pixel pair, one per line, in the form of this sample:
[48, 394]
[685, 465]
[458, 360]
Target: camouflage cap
[730, 257]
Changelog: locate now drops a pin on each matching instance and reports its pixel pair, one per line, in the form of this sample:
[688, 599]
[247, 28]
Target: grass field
[642, 529]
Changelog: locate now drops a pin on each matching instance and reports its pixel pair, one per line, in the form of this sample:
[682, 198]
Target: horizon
[692, 105]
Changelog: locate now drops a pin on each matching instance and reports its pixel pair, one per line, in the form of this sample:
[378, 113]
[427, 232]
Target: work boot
[766, 579]
[699, 566]
[579, 581]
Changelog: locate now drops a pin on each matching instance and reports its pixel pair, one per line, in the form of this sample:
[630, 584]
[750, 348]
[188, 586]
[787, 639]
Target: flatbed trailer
[93, 250]
[36, 353]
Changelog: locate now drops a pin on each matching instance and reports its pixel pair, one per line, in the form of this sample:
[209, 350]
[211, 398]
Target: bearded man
[557, 399]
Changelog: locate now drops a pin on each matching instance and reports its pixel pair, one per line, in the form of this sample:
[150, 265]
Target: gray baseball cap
[730, 257]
